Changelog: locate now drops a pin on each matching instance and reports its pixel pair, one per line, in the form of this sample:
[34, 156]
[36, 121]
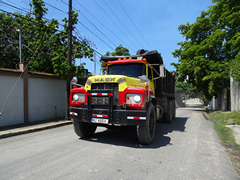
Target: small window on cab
[149, 73]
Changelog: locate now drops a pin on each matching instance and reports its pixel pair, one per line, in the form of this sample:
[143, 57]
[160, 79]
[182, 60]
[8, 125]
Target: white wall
[46, 99]
[13, 111]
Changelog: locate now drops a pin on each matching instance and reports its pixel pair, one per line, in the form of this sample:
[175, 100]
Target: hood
[122, 80]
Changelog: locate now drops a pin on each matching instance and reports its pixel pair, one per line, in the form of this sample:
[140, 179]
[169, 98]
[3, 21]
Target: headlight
[133, 98]
[137, 99]
[79, 97]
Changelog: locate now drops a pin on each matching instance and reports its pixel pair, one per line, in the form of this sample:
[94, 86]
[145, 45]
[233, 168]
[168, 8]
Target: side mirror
[144, 79]
[74, 80]
[162, 70]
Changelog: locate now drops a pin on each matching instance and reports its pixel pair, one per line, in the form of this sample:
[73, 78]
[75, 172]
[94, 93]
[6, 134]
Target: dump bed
[165, 85]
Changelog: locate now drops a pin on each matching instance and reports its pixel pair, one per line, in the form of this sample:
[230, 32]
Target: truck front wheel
[83, 129]
[146, 132]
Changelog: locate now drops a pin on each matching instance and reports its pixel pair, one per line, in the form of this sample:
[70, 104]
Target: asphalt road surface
[187, 149]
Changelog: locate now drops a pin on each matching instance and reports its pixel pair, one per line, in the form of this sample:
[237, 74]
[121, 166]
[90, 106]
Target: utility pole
[20, 44]
[69, 57]
[95, 63]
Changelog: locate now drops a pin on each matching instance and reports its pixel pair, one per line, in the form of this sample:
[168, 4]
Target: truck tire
[174, 109]
[146, 132]
[83, 129]
[168, 116]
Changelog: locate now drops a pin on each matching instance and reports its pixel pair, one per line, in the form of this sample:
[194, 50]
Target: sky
[136, 24]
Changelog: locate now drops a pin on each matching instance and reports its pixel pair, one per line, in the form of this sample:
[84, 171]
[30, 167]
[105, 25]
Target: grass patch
[221, 119]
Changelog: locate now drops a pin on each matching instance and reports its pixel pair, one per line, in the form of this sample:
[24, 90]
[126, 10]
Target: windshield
[130, 69]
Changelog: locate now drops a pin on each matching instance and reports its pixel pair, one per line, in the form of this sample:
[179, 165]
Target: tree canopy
[44, 46]
[119, 51]
[211, 48]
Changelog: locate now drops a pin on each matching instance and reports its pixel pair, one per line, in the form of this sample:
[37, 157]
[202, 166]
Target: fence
[235, 94]
[36, 96]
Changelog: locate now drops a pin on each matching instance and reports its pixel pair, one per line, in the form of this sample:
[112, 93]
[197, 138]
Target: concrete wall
[46, 99]
[13, 110]
[235, 95]
[36, 97]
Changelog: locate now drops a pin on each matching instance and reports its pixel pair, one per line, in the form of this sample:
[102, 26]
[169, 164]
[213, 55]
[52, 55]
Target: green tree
[44, 47]
[79, 50]
[210, 46]
[119, 51]
[185, 89]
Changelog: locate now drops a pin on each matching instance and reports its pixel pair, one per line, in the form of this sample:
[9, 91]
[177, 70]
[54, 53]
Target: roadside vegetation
[210, 49]
[221, 120]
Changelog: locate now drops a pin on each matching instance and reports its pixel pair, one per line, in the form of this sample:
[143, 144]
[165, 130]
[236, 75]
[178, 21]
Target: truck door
[150, 75]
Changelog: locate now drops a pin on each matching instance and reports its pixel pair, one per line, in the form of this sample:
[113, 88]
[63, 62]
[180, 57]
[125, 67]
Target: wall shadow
[127, 136]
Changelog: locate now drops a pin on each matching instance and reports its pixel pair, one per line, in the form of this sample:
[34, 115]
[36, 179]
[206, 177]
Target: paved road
[187, 149]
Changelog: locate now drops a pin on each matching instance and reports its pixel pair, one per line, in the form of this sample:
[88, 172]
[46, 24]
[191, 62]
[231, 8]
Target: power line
[3, 5]
[96, 52]
[80, 36]
[91, 31]
[134, 24]
[94, 34]
[91, 47]
[102, 24]
[98, 29]
[13, 6]
[115, 24]
[17, 5]
[56, 8]
[48, 20]
[122, 23]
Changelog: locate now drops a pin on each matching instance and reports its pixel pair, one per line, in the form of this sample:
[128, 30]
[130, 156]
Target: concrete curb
[32, 128]
[205, 115]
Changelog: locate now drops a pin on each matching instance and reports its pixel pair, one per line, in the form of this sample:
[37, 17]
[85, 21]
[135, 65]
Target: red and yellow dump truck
[137, 91]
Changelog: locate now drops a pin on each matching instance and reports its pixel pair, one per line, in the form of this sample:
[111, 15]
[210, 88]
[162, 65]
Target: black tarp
[153, 57]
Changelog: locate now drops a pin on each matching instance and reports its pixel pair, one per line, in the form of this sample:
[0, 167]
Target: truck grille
[106, 86]
[100, 100]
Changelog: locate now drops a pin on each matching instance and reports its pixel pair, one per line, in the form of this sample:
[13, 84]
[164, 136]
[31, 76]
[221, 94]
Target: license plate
[98, 120]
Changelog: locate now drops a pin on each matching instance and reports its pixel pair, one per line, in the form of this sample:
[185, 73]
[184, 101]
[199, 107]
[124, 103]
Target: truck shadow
[127, 136]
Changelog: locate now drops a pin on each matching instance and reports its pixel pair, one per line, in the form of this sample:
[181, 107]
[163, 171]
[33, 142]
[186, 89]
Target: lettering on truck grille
[106, 79]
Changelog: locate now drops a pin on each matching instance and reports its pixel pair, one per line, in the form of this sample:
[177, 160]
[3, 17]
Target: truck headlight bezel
[133, 98]
[79, 97]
